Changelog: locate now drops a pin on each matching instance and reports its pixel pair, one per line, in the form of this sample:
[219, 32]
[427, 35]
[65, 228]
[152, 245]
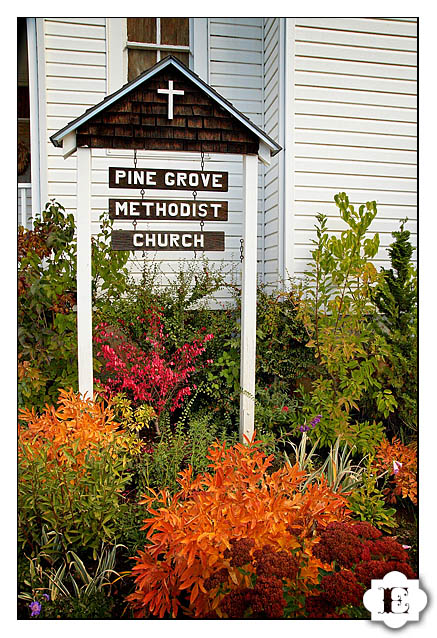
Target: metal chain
[241, 250]
[134, 221]
[202, 166]
[194, 198]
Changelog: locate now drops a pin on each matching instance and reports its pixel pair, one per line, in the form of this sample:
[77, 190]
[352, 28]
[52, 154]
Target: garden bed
[144, 504]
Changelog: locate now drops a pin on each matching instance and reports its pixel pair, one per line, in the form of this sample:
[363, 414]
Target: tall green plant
[396, 299]
[81, 503]
[336, 305]
[47, 332]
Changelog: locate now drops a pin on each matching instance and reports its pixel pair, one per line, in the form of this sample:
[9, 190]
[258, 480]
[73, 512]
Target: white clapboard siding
[75, 70]
[24, 205]
[379, 26]
[235, 71]
[354, 125]
[271, 127]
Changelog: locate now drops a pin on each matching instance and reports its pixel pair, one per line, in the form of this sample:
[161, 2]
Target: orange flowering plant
[73, 469]
[190, 535]
[400, 462]
[75, 421]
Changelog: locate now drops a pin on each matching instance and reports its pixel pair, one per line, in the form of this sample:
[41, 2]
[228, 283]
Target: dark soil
[407, 532]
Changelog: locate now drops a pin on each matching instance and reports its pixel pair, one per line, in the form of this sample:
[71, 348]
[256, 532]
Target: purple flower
[35, 608]
[396, 467]
[46, 596]
[316, 420]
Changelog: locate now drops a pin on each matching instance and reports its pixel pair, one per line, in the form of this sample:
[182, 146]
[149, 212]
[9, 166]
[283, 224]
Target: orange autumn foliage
[75, 422]
[190, 532]
[400, 461]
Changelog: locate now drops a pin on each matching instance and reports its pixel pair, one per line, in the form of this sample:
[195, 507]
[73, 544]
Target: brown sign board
[166, 209]
[167, 240]
[168, 179]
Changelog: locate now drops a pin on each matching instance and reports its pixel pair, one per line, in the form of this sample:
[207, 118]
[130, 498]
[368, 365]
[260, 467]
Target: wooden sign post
[168, 108]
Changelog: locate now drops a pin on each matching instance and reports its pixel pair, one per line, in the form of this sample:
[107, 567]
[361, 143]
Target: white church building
[336, 95]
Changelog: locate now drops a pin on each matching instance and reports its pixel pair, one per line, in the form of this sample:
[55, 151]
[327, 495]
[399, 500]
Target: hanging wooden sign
[163, 209]
[167, 240]
[167, 179]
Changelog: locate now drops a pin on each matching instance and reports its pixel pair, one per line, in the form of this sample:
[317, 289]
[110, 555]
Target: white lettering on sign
[162, 209]
[121, 208]
[215, 208]
[198, 241]
[122, 177]
[186, 241]
[168, 240]
[212, 180]
[119, 175]
[169, 179]
[149, 240]
[162, 240]
[137, 239]
[136, 177]
[216, 180]
[174, 240]
[181, 179]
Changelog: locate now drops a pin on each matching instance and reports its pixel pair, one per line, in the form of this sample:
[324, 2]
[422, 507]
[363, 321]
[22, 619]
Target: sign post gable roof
[265, 142]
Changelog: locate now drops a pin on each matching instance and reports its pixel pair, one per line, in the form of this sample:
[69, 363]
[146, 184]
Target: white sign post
[84, 301]
[248, 299]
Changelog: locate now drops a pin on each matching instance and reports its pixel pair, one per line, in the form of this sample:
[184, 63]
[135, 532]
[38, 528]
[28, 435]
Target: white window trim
[286, 158]
[116, 67]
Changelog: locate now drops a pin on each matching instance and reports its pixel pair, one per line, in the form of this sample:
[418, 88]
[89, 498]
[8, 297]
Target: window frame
[117, 67]
[158, 46]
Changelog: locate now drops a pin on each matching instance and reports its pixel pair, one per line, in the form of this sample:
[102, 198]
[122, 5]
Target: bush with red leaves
[361, 553]
[156, 375]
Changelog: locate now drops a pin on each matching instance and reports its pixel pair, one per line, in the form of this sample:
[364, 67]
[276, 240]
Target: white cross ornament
[170, 92]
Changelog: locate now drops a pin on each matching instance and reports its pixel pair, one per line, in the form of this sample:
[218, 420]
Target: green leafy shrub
[396, 299]
[47, 333]
[282, 354]
[81, 500]
[335, 309]
[176, 449]
[98, 606]
[273, 406]
[73, 464]
[368, 504]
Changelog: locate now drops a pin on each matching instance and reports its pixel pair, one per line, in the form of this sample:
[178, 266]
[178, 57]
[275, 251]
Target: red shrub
[157, 376]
